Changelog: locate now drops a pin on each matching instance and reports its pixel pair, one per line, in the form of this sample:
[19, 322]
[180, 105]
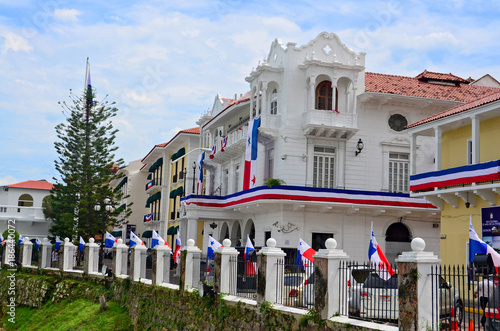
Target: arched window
[324, 96]
[25, 200]
[397, 240]
[274, 102]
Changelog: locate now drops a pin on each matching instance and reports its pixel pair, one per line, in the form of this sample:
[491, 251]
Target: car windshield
[294, 280]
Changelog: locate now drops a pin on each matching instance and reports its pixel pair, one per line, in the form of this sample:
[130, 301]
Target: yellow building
[466, 180]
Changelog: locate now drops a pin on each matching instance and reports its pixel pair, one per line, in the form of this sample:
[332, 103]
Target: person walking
[55, 258]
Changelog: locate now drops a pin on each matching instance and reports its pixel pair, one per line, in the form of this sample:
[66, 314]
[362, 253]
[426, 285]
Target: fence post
[190, 266]
[67, 252]
[26, 252]
[120, 258]
[223, 274]
[415, 288]
[267, 289]
[138, 262]
[44, 256]
[330, 287]
[161, 263]
[91, 257]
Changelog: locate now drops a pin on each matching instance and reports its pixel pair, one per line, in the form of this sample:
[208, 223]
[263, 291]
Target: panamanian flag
[38, 242]
[81, 245]
[148, 217]
[223, 144]
[21, 239]
[212, 153]
[156, 239]
[249, 179]
[477, 246]
[305, 257]
[251, 267]
[199, 183]
[58, 242]
[110, 240]
[213, 245]
[135, 240]
[377, 257]
[178, 245]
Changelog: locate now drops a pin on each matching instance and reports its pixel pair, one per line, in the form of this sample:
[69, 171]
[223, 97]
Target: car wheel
[459, 312]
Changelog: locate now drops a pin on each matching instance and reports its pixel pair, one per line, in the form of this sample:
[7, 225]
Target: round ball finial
[91, 240]
[45, 240]
[162, 242]
[331, 243]
[119, 241]
[271, 242]
[26, 239]
[418, 244]
[190, 242]
[226, 243]
[66, 240]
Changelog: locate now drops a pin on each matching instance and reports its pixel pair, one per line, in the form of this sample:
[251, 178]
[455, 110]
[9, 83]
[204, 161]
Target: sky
[164, 62]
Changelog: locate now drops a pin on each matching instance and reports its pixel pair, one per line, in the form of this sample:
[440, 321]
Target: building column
[26, 252]
[191, 229]
[475, 139]
[354, 99]
[312, 93]
[269, 269]
[413, 154]
[438, 134]
[331, 298]
[44, 255]
[415, 288]
[161, 263]
[190, 266]
[334, 97]
[225, 278]
[264, 103]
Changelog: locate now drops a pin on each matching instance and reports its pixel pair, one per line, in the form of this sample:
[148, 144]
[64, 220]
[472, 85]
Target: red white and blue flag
[134, 240]
[251, 267]
[2, 239]
[377, 258]
[477, 246]
[473, 173]
[305, 257]
[156, 239]
[199, 183]
[148, 217]
[109, 240]
[178, 245]
[213, 245]
[81, 245]
[249, 179]
[149, 185]
[223, 144]
[212, 153]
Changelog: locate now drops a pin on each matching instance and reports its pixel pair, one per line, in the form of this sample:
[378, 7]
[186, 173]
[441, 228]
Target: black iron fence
[246, 277]
[294, 284]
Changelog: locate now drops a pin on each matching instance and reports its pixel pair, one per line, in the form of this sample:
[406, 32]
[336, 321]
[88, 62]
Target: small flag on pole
[110, 240]
[81, 246]
[213, 245]
[58, 242]
[38, 242]
[251, 267]
[178, 245]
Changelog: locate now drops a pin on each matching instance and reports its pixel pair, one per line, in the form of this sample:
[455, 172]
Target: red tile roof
[195, 130]
[33, 184]
[412, 86]
[458, 109]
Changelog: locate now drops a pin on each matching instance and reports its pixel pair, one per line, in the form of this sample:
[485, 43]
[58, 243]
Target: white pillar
[334, 97]
[312, 94]
[268, 270]
[120, 258]
[44, 255]
[438, 137]
[416, 266]
[27, 251]
[354, 99]
[192, 228]
[225, 278]
[91, 263]
[327, 271]
[475, 139]
[68, 252]
[161, 263]
[191, 265]
[264, 103]
[138, 262]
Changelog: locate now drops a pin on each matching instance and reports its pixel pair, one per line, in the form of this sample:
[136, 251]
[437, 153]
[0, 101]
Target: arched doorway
[397, 241]
[236, 234]
[250, 231]
[224, 232]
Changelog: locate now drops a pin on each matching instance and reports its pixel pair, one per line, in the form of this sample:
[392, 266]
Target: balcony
[153, 186]
[31, 214]
[329, 124]
[464, 182]
[235, 145]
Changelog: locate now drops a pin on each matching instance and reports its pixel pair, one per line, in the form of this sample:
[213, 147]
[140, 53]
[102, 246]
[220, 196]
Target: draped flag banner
[477, 246]
[178, 246]
[148, 218]
[58, 242]
[212, 153]
[81, 246]
[305, 257]
[213, 245]
[156, 238]
[223, 144]
[38, 242]
[134, 240]
[2, 239]
[21, 239]
[473, 173]
[251, 267]
[199, 184]
[249, 179]
[377, 258]
[110, 240]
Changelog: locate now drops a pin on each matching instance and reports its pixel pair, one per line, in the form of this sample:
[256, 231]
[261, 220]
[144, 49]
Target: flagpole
[86, 75]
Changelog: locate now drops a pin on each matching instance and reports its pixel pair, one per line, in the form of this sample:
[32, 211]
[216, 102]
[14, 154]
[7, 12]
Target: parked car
[293, 291]
[379, 299]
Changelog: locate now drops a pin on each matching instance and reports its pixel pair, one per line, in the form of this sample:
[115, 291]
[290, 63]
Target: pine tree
[87, 166]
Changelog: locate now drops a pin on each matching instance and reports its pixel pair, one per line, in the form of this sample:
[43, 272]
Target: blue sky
[163, 62]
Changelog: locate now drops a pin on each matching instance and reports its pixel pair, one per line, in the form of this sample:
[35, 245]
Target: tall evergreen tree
[87, 166]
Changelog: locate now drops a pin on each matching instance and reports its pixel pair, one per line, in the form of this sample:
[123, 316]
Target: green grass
[67, 315]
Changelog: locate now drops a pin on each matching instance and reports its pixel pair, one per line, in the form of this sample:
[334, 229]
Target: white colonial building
[334, 134]
[21, 207]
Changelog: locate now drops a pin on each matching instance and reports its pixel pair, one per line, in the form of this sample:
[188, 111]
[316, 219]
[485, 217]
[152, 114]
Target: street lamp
[109, 209]
[194, 170]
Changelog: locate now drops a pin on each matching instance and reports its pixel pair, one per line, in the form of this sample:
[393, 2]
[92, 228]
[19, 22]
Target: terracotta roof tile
[195, 130]
[411, 86]
[33, 184]
[440, 76]
[458, 109]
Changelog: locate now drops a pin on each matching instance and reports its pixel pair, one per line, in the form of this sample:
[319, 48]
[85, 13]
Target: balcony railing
[153, 183]
[329, 123]
[22, 213]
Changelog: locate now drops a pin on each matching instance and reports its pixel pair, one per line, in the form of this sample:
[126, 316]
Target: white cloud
[16, 43]
[7, 180]
[67, 14]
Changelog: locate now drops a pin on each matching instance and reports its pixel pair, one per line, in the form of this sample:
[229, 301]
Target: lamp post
[109, 209]
[194, 172]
